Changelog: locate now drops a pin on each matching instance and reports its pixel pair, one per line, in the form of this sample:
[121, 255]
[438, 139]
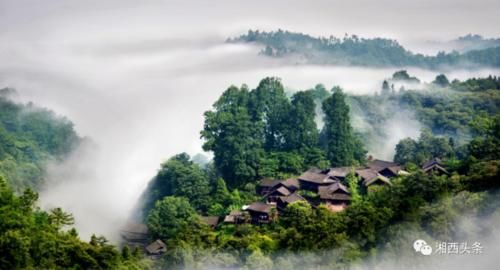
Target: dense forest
[31, 238]
[354, 50]
[29, 138]
[264, 133]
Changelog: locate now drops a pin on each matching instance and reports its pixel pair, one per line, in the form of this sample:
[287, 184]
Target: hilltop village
[328, 187]
[316, 186]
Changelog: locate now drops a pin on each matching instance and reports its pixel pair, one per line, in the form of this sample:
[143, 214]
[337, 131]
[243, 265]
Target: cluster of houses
[315, 186]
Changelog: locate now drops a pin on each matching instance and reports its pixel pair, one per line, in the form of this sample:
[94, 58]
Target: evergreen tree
[338, 138]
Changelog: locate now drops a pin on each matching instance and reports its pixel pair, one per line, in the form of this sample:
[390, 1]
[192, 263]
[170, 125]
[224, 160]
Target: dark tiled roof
[316, 177]
[339, 171]
[260, 207]
[379, 165]
[434, 161]
[156, 246]
[292, 182]
[294, 197]
[335, 191]
[268, 182]
[435, 167]
[369, 176]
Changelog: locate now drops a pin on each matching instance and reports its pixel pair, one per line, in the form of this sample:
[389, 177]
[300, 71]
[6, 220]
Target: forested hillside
[31, 238]
[259, 136]
[354, 50]
[30, 137]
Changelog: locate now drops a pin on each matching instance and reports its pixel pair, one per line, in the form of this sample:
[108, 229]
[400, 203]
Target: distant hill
[354, 50]
[30, 136]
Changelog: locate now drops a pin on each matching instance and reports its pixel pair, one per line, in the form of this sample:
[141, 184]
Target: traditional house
[314, 178]
[339, 173]
[336, 196]
[235, 217]
[292, 184]
[156, 249]
[261, 213]
[284, 201]
[274, 194]
[434, 166]
[372, 177]
[211, 221]
[266, 185]
[385, 168]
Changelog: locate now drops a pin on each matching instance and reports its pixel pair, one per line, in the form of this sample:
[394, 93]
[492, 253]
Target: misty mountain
[373, 52]
[30, 138]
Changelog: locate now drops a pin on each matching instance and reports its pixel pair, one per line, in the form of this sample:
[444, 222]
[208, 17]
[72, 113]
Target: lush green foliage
[262, 133]
[428, 204]
[342, 147]
[35, 239]
[29, 137]
[353, 50]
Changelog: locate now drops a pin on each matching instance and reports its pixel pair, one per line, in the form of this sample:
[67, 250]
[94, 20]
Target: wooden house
[314, 178]
[434, 166]
[261, 213]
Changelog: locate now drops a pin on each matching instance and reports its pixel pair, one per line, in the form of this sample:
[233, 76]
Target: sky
[136, 76]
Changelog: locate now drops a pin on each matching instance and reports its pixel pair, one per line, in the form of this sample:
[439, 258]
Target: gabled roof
[269, 182]
[393, 169]
[316, 176]
[156, 246]
[379, 165]
[435, 167]
[283, 191]
[210, 220]
[434, 161]
[335, 191]
[291, 183]
[370, 176]
[339, 171]
[260, 207]
[335, 187]
[294, 197]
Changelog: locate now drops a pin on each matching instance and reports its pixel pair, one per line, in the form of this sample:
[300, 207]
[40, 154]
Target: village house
[312, 179]
[434, 166]
[372, 177]
[385, 168]
[335, 195]
[234, 217]
[266, 185]
[284, 201]
[156, 249]
[273, 195]
[261, 213]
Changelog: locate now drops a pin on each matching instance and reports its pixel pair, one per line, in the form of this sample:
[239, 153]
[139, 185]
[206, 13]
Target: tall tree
[270, 106]
[233, 135]
[302, 131]
[338, 138]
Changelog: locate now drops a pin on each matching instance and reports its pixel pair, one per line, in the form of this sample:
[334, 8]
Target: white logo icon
[422, 247]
